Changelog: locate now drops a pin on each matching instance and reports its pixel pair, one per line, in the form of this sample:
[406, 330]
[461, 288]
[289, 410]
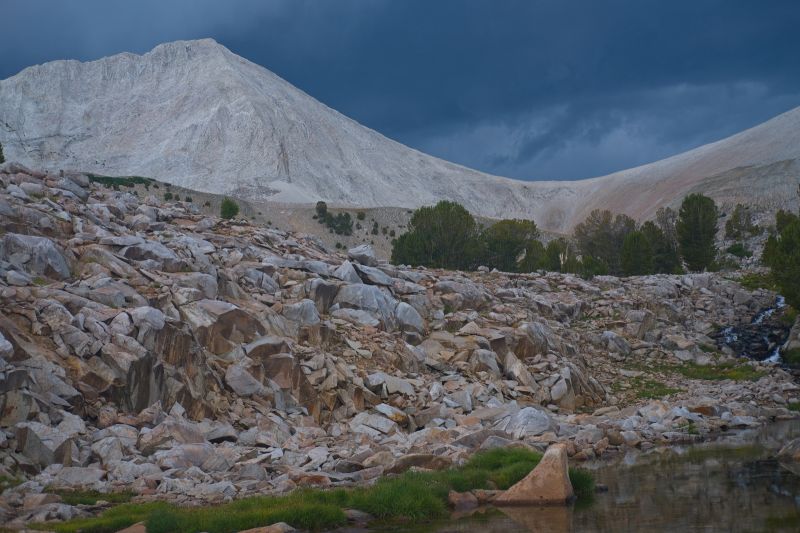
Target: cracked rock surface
[145, 347]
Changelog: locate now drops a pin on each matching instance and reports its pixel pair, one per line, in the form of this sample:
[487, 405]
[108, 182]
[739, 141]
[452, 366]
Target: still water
[731, 484]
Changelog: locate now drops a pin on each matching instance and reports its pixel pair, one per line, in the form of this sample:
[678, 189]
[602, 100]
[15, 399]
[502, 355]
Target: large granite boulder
[370, 299]
[220, 325]
[37, 256]
[547, 484]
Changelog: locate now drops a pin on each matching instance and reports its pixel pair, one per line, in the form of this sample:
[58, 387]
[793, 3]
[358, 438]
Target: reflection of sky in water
[728, 485]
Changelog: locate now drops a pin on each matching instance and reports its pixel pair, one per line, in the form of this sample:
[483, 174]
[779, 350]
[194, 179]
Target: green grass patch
[792, 357]
[91, 497]
[721, 371]
[757, 280]
[122, 181]
[794, 406]
[109, 521]
[651, 389]
[230, 518]
[7, 482]
[412, 495]
[734, 370]
[789, 316]
[644, 388]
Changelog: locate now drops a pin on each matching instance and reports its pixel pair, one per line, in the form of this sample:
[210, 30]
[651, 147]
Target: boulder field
[147, 348]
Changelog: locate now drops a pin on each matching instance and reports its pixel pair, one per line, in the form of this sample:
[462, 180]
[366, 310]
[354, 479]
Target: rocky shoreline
[147, 348]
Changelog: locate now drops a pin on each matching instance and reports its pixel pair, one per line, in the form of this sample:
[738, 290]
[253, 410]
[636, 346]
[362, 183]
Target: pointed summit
[195, 114]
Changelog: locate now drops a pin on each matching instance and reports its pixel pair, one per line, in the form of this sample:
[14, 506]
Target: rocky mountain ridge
[147, 347]
[195, 114]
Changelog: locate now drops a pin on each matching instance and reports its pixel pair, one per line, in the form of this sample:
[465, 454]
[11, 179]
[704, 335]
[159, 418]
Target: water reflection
[730, 485]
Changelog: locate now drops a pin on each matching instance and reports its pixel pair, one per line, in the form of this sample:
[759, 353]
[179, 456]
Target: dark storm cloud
[549, 89]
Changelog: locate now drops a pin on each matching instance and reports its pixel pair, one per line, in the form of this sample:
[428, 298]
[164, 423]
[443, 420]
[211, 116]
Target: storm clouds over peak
[526, 89]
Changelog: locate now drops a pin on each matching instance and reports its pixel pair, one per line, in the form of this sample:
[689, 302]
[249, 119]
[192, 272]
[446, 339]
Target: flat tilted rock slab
[547, 484]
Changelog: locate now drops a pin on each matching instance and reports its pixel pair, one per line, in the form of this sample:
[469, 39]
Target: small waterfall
[761, 339]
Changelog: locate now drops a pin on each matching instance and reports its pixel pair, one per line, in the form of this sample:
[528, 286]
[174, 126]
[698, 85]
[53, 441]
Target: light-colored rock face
[548, 483]
[194, 114]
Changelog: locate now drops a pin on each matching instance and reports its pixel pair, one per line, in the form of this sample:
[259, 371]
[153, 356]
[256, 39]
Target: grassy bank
[412, 495]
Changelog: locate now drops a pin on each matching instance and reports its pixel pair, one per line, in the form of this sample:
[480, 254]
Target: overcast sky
[531, 89]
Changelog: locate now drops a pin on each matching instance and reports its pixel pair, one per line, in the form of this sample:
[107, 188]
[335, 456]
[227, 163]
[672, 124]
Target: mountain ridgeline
[194, 114]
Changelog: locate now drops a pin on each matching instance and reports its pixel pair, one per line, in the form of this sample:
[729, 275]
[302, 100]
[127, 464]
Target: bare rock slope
[195, 114]
[147, 348]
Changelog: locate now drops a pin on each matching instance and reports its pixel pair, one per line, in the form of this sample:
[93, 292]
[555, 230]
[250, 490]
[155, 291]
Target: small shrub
[228, 209]
[125, 181]
[188, 199]
[167, 196]
[91, 497]
[792, 357]
[789, 316]
[758, 281]
[361, 215]
[738, 249]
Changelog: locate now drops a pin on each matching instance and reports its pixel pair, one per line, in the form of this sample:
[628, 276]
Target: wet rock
[790, 451]
[461, 501]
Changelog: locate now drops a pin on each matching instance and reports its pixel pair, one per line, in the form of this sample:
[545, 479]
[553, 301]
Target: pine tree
[504, 242]
[442, 236]
[697, 229]
[665, 252]
[740, 225]
[601, 235]
[2, 157]
[637, 255]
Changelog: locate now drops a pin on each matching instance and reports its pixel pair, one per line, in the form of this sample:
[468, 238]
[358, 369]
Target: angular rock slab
[547, 484]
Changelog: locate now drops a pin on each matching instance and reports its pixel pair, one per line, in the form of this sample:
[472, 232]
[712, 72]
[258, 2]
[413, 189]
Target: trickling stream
[761, 339]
